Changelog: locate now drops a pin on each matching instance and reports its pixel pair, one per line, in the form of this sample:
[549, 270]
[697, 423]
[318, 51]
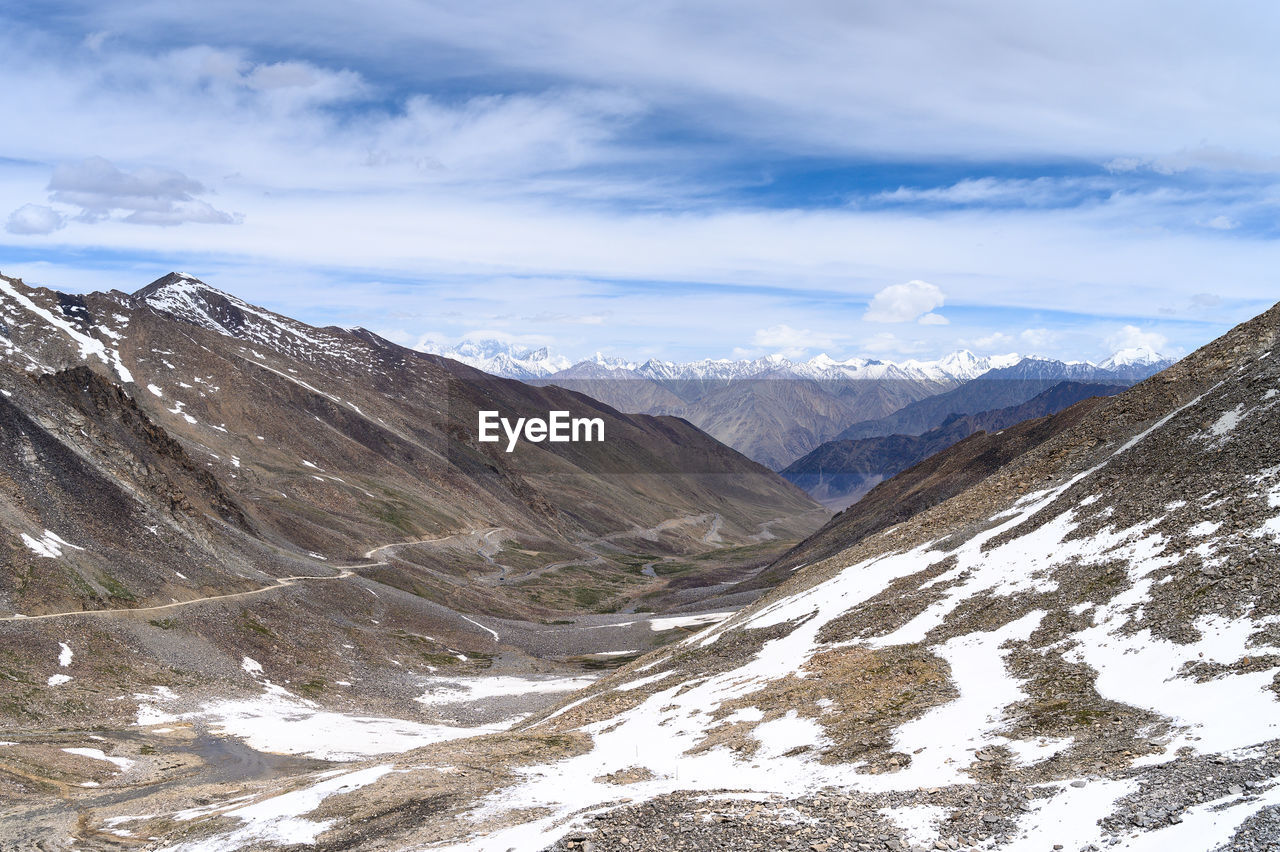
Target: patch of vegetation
[16, 675]
[20, 706]
[396, 514]
[79, 583]
[147, 748]
[163, 623]
[248, 622]
[436, 659]
[115, 588]
[668, 569]
[313, 687]
[587, 597]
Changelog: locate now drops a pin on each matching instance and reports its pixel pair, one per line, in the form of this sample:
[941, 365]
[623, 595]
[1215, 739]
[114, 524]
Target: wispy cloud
[658, 179]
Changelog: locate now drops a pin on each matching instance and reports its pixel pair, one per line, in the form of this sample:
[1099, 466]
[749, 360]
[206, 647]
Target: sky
[661, 179]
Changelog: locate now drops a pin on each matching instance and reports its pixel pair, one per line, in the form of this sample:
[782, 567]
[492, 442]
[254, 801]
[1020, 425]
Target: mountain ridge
[842, 470]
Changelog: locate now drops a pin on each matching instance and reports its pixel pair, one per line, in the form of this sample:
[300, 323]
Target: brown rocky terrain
[203, 503]
[1079, 651]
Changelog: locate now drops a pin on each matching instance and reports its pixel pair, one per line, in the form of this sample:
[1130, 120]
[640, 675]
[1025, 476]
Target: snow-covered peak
[999, 362]
[1135, 356]
[500, 358]
[602, 360]
[186, 298]
[180, 294]
[520, 362]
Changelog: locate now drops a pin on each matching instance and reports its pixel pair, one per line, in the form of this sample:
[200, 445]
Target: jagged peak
[178, 283]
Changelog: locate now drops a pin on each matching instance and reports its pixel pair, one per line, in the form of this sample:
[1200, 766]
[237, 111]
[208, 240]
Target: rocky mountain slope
[939, 477]
[839, 472]
[207, 417]
[1080, 651]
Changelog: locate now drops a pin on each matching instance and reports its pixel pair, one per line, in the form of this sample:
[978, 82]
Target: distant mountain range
[520, 362]
[839, 472]
[776, 410]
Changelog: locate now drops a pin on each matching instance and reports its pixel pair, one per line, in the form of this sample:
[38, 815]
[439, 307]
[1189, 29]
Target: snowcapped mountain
[958, 366]
[776, 410]
[1129, 357]
[509, 360]
[518, 362]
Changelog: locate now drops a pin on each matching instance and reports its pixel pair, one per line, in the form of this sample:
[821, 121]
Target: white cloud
[1208, 157]
[1038, 338]
[794, 342]
[995, 340]
[906, 302]
[933, 319]
[1222, 223]
[147, 196]
[1020, 192]
[1132, 337]
[35, 219]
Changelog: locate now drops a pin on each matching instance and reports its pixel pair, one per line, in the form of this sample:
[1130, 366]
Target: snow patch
[48, 545]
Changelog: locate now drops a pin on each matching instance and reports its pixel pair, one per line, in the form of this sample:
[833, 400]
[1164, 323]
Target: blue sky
[679, 180]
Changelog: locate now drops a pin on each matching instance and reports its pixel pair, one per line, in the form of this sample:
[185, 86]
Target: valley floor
[148, 766]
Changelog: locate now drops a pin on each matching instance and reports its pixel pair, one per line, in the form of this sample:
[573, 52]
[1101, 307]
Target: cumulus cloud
[1132, 337]
[1222, 223]
[35, 219]
[995, 340]
[914, 300]
[1038, 338]
[146, 196]
[793, 342]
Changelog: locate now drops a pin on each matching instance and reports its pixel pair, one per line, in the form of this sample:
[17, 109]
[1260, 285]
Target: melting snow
[98, 754]
[282, 723]
[918, 823]
[453, 690]
[278, 820]
[49, 545]
[659, 624]
[1227, 421]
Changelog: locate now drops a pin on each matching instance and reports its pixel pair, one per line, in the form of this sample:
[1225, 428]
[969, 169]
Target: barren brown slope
[1081, 649]
[326, 443]
[926, 484]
